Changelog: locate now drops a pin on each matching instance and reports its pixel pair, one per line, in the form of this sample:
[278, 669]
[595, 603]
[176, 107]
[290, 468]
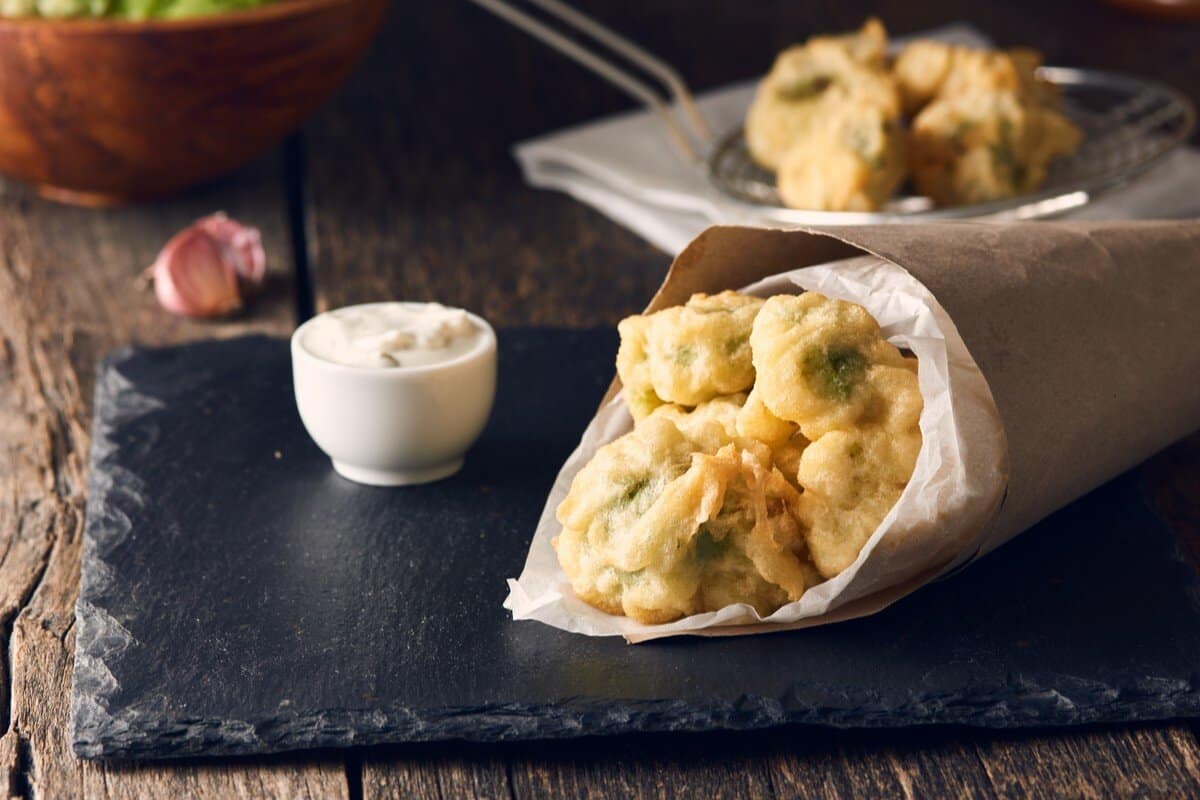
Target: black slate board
[239, 597]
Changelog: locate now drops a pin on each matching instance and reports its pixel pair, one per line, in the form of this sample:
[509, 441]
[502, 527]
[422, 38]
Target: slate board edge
[100, 736]
[96, 634]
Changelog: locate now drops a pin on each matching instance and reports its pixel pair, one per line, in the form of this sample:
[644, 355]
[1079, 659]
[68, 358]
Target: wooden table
[403, 186]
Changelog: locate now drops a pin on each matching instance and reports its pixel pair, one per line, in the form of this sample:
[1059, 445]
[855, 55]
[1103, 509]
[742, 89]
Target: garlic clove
[192, 278]
[241, 245]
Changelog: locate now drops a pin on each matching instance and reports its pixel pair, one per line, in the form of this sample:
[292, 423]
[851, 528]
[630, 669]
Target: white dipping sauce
[391, 335]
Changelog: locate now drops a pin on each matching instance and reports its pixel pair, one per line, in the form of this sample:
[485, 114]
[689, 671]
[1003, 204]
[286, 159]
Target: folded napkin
[625, 167]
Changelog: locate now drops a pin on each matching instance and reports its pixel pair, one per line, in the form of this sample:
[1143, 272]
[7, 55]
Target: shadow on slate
[239, 597]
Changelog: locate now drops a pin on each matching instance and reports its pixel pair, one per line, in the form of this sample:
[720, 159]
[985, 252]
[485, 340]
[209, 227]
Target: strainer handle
[690, 132]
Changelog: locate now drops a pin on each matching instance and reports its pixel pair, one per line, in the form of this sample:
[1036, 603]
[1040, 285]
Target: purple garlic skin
[192, 279]
[208, 268]
[241, 245]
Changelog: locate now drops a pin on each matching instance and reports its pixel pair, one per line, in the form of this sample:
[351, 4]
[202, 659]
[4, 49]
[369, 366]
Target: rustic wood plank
[1138, 761]
[1145, 761]
[469, 772]
[913, 763]
[412, 194]
[69, 292]
[725, 765]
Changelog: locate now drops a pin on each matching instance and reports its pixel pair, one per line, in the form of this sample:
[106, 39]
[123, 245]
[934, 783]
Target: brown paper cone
[1088, 335]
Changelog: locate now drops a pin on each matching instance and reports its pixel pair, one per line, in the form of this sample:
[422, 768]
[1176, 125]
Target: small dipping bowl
[396, 426]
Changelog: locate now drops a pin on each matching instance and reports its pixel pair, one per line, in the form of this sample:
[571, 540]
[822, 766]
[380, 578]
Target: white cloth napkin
[625, 167]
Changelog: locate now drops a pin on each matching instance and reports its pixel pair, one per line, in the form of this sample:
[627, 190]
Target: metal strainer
[1128, 125]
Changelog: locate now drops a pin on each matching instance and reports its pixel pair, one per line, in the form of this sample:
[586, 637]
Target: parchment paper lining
[937, 523]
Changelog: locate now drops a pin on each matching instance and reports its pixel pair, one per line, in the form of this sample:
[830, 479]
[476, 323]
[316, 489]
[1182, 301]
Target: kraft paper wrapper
[1087, 335]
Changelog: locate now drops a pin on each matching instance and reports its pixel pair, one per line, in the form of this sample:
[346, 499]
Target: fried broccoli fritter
[687, 354]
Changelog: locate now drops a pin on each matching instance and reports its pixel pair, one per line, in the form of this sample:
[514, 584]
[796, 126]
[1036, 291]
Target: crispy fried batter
[687, 354]
[985, 125]
[808, 83]
[727, 502]
[851, 480]
[853, 162]
[927, 69]
[821, 362]
[975, 147]
[656, 542]
[824, 365]
[827, 121]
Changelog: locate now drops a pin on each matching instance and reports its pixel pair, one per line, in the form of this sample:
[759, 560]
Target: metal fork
[672, 101]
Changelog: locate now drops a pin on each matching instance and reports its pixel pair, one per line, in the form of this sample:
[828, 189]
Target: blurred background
[404, 181]
[421, 135]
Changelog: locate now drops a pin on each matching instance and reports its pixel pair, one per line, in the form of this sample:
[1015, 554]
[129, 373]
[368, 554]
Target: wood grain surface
[404, 186]
[69, 292]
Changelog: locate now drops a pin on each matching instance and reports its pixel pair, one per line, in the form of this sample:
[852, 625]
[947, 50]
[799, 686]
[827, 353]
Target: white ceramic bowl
[394, 426]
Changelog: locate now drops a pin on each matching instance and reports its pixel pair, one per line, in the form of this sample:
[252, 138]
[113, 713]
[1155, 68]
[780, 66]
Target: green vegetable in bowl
[123, 9]
[17, 8]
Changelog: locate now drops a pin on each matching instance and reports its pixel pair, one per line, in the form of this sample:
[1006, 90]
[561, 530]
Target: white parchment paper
[938, 523]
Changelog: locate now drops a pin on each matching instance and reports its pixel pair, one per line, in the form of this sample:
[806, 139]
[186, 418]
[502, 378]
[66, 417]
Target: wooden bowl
[102, 112]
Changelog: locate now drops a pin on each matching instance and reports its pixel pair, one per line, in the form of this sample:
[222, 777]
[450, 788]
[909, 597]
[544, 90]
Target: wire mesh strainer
[1128, 125]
